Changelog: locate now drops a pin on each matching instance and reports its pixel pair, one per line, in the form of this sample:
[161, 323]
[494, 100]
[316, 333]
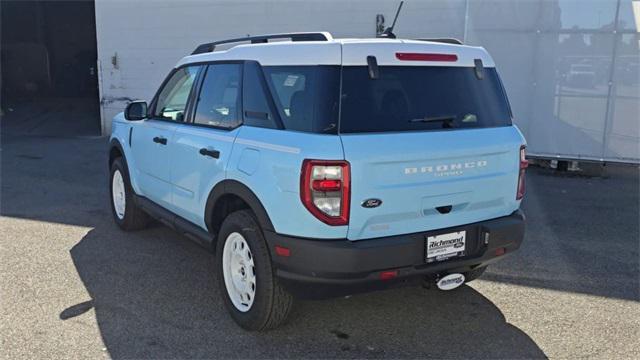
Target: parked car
[321, 167]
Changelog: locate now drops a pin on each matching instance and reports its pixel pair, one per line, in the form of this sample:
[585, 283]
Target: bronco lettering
[446, 169]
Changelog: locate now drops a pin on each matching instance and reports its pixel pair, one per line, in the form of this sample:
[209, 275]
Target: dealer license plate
[445, 246]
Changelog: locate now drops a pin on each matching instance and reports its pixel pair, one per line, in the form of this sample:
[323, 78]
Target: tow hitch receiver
[450, 282]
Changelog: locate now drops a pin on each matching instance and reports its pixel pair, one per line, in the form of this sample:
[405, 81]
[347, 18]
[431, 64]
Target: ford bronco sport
[323, 167]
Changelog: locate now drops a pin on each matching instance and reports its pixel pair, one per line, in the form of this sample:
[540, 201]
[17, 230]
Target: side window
[306, 97]
[219, 100]
[172, 100]
[257, 111]
[295, 96]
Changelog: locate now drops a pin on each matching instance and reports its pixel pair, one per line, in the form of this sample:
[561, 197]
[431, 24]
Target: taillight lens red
[326, 185]
[325, 190]
[521, 176]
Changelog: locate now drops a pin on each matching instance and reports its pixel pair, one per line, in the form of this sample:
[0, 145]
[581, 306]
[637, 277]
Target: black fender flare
[240, 190]
[114, 143]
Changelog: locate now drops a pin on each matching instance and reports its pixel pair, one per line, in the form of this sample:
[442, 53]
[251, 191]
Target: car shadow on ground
[154, 296]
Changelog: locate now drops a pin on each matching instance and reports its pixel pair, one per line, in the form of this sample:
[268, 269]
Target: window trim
[194, 94]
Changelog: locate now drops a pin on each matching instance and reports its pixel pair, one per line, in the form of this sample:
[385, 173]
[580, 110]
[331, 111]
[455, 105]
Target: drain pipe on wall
[103, 130]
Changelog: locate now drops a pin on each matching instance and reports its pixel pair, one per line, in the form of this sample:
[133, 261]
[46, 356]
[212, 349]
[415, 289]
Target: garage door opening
[49, 75]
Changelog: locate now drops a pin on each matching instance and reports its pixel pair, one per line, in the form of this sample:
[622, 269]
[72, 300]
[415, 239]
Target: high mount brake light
[521, 175]
[325, 190]
[426, 57]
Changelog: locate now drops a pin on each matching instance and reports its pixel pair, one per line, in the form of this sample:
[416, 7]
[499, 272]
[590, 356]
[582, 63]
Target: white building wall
[534, 43]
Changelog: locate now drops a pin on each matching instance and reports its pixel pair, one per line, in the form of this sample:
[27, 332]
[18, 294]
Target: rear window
[306, 96]
[407, 98]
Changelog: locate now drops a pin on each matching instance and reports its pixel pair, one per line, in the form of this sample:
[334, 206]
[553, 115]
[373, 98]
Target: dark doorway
[49, 75]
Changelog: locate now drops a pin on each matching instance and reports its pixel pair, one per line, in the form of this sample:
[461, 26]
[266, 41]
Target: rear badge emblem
[371, 203]
[450, 281]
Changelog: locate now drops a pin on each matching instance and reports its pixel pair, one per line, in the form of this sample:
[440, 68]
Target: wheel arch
[228, 196]
[115, 151]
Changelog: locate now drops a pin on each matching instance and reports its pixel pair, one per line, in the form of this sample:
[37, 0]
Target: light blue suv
[323, 167]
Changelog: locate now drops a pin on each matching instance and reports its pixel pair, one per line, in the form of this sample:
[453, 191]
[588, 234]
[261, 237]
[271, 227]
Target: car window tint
[219, 101]
[306, 96]
[257, 111]
[172, 100]
[419, 98]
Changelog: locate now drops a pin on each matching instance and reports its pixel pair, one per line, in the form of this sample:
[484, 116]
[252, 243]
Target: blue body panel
[474, 171]
[152, 171]
[193, 175]
[413, 173]
[269, 162]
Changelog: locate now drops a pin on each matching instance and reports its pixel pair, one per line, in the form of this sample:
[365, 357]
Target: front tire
[246, 278]
[126, 213]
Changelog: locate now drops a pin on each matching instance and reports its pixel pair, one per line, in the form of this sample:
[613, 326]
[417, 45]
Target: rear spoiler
[444, 40]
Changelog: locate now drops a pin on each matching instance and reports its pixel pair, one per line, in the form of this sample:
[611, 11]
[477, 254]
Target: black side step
[179, 224]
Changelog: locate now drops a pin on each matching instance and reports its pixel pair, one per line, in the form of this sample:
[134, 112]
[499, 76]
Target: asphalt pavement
[74, 286]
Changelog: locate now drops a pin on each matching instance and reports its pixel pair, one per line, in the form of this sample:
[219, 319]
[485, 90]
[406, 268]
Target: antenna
[388, 32]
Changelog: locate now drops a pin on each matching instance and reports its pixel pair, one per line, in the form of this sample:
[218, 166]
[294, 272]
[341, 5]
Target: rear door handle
[160, 140]
[209, 152]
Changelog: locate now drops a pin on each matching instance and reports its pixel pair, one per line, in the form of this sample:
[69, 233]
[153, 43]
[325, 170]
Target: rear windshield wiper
[447, 120]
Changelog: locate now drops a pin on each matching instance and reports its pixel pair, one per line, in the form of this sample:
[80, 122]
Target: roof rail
[444, 40]
[300, 36]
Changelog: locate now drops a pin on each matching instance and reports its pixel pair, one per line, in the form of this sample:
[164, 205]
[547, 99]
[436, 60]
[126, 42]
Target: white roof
[345, 52]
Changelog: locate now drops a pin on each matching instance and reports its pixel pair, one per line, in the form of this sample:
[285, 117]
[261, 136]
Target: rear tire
[246, 277]
[126, 213]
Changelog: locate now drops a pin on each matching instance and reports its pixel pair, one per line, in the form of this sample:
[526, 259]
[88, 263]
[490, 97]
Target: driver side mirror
[136, 110]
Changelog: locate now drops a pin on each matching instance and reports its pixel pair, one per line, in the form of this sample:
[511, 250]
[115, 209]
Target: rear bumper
[327, 268]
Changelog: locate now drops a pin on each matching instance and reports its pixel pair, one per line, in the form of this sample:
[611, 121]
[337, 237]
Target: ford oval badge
[371, 203]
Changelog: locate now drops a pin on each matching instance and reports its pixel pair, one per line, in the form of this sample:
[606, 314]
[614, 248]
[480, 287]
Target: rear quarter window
[411, 98]
[306, 96]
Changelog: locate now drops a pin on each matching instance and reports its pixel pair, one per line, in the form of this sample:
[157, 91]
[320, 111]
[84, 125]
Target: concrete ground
[54, 116]
[74, 286]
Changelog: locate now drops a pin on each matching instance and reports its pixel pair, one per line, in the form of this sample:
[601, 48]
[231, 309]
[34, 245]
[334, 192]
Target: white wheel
[239, 272]
[246, 278]
[127, 215]
[118, 194]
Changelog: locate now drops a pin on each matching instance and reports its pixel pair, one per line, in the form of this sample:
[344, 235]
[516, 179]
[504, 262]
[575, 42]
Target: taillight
[324, 190]
[523, 165]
